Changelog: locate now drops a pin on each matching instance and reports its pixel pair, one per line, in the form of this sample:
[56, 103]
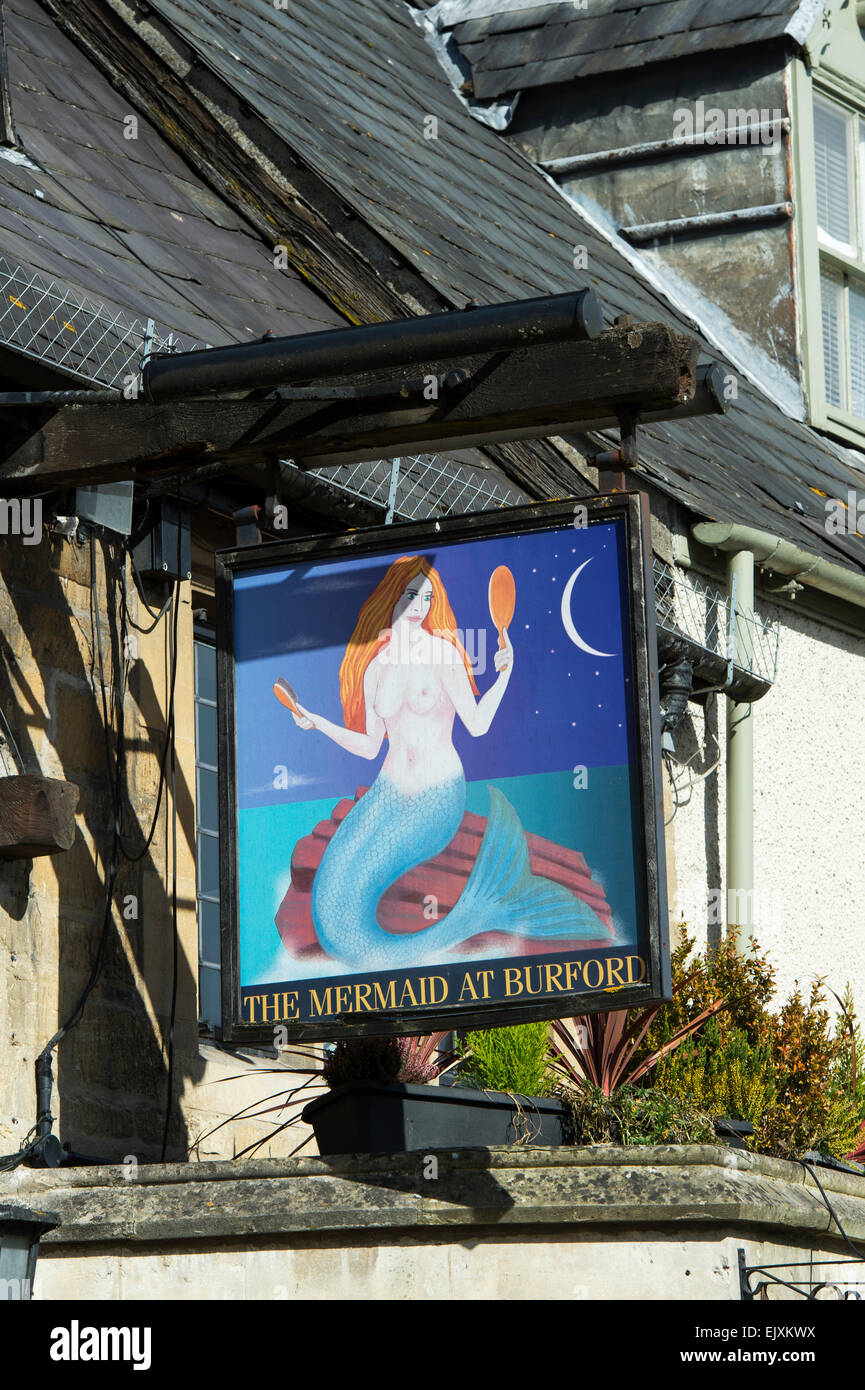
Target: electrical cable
[157, 618]
[694, 777]
[174, 952]
[809, 1168]
[139, 584]
[113, 863]
[116, 761]
[710, 689]
[667, 757]
[175, 934]
[113, 761]
[10, 738]
[173, 611]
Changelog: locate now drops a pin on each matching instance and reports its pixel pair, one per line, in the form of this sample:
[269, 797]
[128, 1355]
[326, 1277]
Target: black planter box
[733, 1132]
[375, 1117]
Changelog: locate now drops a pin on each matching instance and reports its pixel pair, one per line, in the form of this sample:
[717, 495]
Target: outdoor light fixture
[20, 1232]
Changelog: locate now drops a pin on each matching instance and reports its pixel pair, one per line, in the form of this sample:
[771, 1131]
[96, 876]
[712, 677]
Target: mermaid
[404, 678]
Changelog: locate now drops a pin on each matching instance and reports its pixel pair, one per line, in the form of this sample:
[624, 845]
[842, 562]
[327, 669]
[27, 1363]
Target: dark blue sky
[563, 707]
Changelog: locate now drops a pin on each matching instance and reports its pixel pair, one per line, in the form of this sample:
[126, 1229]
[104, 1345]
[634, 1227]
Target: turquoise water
[595, 819]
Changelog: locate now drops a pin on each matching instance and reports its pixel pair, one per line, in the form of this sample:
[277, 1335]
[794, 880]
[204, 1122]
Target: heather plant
[724, 1076]
[412, 1061]
[361, 1059]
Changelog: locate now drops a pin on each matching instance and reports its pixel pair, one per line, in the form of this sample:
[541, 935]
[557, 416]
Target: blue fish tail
[502, 893]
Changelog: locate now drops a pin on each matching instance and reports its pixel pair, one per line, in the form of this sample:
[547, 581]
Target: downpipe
[740, 763]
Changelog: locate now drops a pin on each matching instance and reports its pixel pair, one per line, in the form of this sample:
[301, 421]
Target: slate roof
[122, 223]
[542, 44]
[109, 232]
[348, 84]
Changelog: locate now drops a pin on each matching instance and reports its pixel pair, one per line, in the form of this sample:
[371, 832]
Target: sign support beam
[530, 392]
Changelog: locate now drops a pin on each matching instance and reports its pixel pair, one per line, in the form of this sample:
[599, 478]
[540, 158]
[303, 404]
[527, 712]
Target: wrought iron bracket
[612, 464]
[804, 1288]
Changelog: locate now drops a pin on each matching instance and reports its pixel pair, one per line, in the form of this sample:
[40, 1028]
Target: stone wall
[111, 1071]
[601, 1223]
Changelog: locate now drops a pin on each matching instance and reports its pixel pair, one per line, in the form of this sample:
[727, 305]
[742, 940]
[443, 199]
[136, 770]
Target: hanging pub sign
[439, 764]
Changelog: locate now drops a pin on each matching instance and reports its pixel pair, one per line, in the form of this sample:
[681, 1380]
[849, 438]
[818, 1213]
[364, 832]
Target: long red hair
[372, 631]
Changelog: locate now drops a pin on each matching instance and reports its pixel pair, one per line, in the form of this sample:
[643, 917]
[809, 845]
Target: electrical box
[106, 504]
[164, 551]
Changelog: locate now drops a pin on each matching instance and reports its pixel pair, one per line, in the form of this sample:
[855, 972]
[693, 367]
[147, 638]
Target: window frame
[815, 250]
[204, 635]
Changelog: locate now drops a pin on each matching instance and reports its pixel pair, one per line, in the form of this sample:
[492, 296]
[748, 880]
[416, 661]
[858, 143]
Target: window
[207, 831]
[839, 179]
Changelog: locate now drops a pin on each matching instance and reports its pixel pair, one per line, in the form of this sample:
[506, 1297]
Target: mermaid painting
[404, 680]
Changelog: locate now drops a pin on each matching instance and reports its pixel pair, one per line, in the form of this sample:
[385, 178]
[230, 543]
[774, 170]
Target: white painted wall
[809, 792]
[649, 1265]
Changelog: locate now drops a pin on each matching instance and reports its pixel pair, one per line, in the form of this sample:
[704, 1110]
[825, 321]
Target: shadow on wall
[111, 1081]
[701, 744]
[462, 1179]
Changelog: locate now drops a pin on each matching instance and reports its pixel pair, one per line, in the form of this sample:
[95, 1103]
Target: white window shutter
[856, 304]
[832, 172]
[831, 290]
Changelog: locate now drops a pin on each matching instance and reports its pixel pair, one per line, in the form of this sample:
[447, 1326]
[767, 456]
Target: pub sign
[440, 796]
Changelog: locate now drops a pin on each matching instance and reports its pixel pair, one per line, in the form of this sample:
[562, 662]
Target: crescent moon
[567, 617]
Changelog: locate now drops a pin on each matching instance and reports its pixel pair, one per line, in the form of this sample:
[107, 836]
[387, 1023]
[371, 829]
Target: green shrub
[635, 1115]
[849, 1075]
[746, 981]
[814, 1109]
[786, 1071]
[512, 1059]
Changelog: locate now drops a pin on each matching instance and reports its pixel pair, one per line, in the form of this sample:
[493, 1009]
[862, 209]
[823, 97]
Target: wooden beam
[532, 392]
[37, 816]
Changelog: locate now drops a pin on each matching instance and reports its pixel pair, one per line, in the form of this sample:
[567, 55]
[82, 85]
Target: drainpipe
[783, 557]
[740, 762]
